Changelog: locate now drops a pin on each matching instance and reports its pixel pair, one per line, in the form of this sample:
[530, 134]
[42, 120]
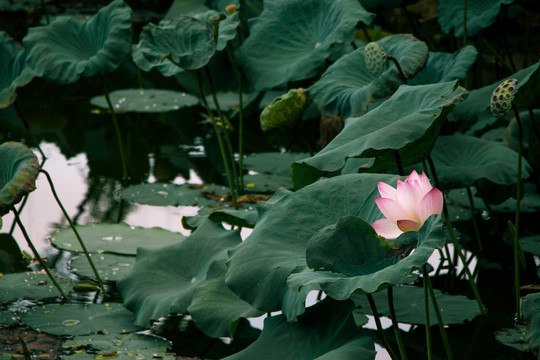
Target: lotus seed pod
[285, 111]
[502, 97]
[375, 58]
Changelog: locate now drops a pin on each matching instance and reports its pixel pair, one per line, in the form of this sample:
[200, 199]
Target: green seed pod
[502, 97]
[285, 111]
[375, 58]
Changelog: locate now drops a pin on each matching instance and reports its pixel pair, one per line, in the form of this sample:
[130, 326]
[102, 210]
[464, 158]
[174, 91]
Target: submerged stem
[98, 278]
[399, 340]
[444, 337]
[516, 242]
[36, 254]
[379, 326]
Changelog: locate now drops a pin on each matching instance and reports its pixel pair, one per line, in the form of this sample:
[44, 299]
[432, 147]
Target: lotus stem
[444, 337]
[36, 254]
[32, 137]
[400, 70]
[98, 278]
[401, 345]
[118, 134]
[426, 313]
[516, 242]
[398, 163]
[220, 140]
[455, 242]
[464, 23]
[379, 327]
[240, 177]
[473, 219]
[224, 123]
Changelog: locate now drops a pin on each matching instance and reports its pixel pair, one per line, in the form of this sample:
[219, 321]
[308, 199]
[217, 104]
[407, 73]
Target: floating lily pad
[515, 338]
[125, 347]
[462, 161]
[18, 172]
[283, 46]
[442, 67]
[114, 238]
[146, 100]
[29, 285]
[480, 15]
[348, 87]
[163, 281]
[14, 72]
[80, 319]
[408, 123]
[531, 314]
[409, 306]
[266, 183]
[326, 331]
[188, 41]
[67, 48]
[110, 267]
[273, 162]
[174, 195]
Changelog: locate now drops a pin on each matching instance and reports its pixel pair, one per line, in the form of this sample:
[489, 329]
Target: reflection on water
[87, 200]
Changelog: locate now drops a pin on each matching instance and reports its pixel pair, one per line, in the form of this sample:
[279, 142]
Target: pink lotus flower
[407, 207]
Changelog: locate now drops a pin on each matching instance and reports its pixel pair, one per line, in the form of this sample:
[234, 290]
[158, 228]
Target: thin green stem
[496, 54]
[36, 254]
[224, 124]
[379, 327]
[455, 242]
[444, 337]
[220, 140]
[516, 242]
[426, 313]
[27, 127]
[398, 163]
[395, 325]
[68, 218]
[400, 70]
[473, 219]
[118, 135]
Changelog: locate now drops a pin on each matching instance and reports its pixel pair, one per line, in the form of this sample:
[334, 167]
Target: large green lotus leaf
[409, 306]
[291, 40]
[272, 162]
[146, 100]
[462, 161]
[226, 28]
[326, 331]
[162, 194]
[67, 49]
[18, 172]
[109, 266]
[163, 281]
[348, 87]
[124, 347]
[350, 246]
[29, 285]
[215, 309]
[80, 319]
[480, 15]
[408, 123]
[531, 314]
[244, 217]
[114, 238]
[442, 67]
[188, 41]
[340, 286]
[14, 72]
[259, 267]
[474, 113]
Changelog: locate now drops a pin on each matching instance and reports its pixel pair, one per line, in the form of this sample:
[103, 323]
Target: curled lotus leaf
[286, 110]
[348, 87]
[67, 48]
[291, 40]
[224, 25]
[18, 172]
[185, 43]
[14, 72]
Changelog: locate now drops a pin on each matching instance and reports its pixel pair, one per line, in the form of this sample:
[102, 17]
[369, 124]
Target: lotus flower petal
[408, 225]
[431, 204]
[386, 190]
[390, 208]
[386, 228]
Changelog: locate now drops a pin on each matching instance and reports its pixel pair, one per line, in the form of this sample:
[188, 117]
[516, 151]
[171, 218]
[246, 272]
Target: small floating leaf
[146, 100]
